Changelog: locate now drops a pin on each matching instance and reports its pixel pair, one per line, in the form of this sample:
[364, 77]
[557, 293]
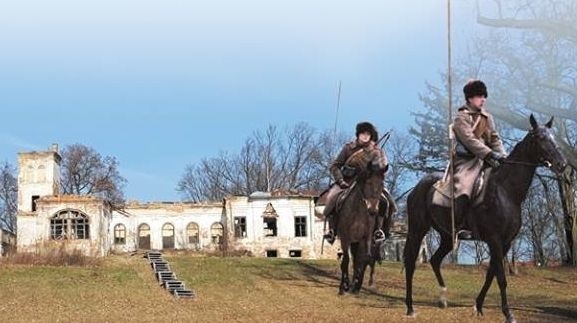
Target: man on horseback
[344, 170]
[477, 144]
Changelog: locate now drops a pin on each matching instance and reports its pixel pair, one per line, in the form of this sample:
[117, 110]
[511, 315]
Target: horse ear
[549, 124]
[533, 122]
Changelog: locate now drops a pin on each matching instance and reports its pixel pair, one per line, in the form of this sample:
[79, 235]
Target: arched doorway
[217, 234]
[144, 236]
[167, 236]
[193, 233]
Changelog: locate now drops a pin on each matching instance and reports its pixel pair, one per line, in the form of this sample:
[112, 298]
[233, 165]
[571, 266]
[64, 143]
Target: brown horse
[497, 218]
[357, 219]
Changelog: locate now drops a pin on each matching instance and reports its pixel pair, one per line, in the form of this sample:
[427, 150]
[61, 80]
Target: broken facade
[263, 224]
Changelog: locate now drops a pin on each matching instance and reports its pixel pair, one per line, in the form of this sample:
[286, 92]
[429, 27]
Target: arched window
[119, 234]
[216, 233]
[69, 224]
[167, 236]
[144, 236]
[193, 233]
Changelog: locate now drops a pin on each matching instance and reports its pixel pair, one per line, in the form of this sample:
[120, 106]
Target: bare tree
[85, 171]
[529, 58]
[296, 158]
[8, 197]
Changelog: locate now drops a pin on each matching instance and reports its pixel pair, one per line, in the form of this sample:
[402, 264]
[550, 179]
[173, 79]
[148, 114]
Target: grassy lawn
[123, 288]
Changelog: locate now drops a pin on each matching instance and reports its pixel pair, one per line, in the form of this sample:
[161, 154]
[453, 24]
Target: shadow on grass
[558, 311]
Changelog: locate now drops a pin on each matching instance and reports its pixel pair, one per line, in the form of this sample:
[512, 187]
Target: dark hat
[475, 88]
[367, 127]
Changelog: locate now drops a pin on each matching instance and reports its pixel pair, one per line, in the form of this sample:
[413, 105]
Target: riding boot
[462, 215]
[328, 212]
[330, 236]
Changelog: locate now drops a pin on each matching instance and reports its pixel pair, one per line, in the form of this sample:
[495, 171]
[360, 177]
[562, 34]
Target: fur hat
[475, 88]
[367, 127]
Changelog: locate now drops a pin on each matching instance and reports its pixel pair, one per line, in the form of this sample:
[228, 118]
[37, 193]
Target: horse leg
[444, 248]
[362, 261]
[412, 247]
[481, 297]
[356, 256]
[344, 286]
[499, 271]
[502, 281]
[372, 272]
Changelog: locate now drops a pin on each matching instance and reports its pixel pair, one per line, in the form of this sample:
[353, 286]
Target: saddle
[342, 196]
[442, 194]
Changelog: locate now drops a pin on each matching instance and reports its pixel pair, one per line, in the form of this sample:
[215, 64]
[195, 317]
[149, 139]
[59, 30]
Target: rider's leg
[463, 216]
[329, 213]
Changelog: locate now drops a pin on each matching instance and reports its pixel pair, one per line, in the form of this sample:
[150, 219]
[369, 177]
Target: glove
[494, 159]
[342, 184]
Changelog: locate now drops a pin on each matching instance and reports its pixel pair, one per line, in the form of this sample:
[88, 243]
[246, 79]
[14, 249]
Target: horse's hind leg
[444, 248]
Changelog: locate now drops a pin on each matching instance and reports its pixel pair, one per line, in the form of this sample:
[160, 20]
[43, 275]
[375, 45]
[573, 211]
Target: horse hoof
[443, 304]
[411, 314]
[511, 319]
[341, 292]
[477, 311]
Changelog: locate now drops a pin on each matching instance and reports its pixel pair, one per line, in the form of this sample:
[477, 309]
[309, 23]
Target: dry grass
[262, 290]
[52, 256]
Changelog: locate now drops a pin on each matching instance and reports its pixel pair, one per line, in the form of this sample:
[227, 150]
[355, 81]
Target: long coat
[476, 137]
[475, 131]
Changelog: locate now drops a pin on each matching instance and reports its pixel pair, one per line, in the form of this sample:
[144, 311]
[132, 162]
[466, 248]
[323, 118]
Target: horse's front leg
[360, 261]
[372, 272]
[481, 297]
[499, 271]
[344, 286]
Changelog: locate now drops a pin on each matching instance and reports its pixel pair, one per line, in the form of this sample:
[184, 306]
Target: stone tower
[38, 175]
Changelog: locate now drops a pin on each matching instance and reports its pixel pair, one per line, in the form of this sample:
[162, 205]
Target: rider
[477, 143]
[344, 173]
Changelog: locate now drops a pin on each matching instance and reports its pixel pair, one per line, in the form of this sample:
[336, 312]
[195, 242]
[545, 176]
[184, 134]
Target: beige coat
[475, 130]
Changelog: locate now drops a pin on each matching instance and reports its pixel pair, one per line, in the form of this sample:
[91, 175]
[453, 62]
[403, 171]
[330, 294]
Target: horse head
[544, 148]
[371, 179]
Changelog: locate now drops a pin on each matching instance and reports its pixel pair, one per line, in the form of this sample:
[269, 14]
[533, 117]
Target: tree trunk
[566, 190]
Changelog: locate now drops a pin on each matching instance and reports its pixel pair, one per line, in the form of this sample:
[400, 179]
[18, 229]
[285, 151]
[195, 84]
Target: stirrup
[465, 235]
[379, 236]
[330, 237]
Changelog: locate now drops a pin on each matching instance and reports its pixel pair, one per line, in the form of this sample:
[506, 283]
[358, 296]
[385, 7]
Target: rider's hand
[342, 184]
[494, 159]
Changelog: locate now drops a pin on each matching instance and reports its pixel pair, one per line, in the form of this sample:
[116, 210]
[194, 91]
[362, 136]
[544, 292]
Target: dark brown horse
[357, 218]
[497, 218]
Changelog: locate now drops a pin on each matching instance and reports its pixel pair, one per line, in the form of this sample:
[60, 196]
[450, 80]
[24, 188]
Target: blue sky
[160, 84]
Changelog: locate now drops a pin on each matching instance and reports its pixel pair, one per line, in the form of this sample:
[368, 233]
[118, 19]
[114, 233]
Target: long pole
[450, 117]
[338, 106]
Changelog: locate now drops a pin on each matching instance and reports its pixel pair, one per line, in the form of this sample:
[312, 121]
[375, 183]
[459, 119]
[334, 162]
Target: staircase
[166, 278]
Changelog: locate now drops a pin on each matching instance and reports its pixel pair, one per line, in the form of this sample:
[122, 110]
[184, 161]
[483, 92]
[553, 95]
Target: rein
[516, 162]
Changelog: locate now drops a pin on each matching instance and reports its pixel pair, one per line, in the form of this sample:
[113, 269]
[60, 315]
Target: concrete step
[171, 285]
[165, 276]
[161, 267]
[153, 254]
[184, 293]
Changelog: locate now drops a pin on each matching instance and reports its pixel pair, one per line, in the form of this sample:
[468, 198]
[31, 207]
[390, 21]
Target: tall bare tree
[529, 58]
[84, 171]
[8, 197]
[295, 158]
[526, 53]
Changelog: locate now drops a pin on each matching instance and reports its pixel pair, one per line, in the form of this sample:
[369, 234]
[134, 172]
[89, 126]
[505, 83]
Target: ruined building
[262, 224]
